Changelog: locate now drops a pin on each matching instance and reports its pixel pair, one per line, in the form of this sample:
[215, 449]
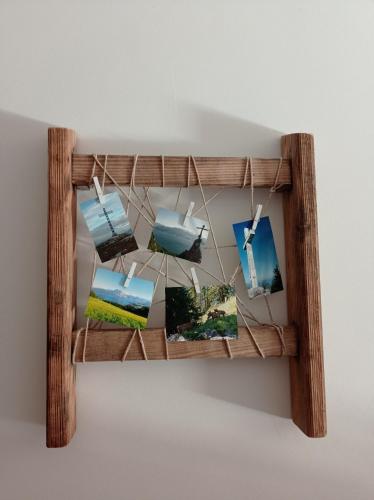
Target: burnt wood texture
[303, 287]
[61, 289]
[213, 171]
[303, 335]
[109, 345]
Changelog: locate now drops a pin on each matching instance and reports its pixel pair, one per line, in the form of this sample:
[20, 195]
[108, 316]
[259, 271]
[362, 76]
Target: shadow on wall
[205, 132]
[261, 385]
[23, 254]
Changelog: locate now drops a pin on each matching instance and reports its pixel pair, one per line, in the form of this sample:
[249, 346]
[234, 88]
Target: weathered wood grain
[219, 171]
[303, 336]
[61, 289]
[109, 345]
[303, 287]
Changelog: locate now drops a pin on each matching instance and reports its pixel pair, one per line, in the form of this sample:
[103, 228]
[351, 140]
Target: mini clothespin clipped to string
[99, 191]
[196, 283]
[189, 212]
[130, 275]
[249, 233]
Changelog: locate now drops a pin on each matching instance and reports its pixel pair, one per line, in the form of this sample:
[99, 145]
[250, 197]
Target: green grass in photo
[223, 326]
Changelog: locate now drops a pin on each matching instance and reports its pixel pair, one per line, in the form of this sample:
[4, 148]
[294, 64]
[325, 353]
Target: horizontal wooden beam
[109, 345]
[213, 171]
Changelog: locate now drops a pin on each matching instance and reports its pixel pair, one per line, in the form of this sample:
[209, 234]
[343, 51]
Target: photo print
[209, 315]
[109, 226]
[110, 301]
[173, 236]
[258, 258]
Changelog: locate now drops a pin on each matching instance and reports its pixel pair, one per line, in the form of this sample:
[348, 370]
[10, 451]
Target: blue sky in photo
[173, 220]
[175, 237]
[96, 221]
[111, 280]
[263, 247]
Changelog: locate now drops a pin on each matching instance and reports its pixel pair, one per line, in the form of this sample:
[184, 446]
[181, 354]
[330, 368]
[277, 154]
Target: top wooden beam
[213, 171]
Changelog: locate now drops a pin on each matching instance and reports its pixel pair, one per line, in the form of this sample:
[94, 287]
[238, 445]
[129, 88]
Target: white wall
[219, 77]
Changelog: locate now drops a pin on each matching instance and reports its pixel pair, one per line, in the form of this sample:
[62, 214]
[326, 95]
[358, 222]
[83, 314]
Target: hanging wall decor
[206, 315]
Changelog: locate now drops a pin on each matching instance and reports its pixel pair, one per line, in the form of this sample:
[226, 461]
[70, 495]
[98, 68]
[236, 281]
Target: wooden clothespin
[195, 280]
[189, 212]
[251, 232]
[99, 191]
[130, 275]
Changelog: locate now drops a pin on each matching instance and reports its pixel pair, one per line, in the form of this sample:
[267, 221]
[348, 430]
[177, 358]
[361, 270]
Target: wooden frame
[303, 335]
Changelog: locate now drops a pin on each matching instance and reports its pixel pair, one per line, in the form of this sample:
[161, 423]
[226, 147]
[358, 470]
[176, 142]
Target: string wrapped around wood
[149, 216]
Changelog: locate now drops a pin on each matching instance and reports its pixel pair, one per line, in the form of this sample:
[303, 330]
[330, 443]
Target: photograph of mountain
[109, 226]
[258, 258]
[110, 301]
[209, 315]
[175, 237]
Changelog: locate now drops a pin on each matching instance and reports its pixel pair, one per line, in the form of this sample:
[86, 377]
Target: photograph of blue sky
[97, 222]
[110, 280]
[264, 252]
[175, 237]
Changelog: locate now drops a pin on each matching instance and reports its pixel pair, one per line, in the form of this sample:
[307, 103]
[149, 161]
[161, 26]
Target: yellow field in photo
[103, 311]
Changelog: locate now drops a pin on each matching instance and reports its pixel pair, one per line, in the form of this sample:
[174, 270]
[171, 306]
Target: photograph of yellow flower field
[111, 302]
[104, 311]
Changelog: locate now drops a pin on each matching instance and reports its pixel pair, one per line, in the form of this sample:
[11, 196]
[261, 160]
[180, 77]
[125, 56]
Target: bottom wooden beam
[109, 345]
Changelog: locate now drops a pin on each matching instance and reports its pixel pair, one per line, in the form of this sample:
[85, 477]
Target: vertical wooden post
[303, 294]
[61, 289]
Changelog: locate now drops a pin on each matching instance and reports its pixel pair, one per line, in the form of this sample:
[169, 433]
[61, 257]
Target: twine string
[123, 191]
[104, 172]
[178, 197]
[166, 345]
[251, 335]
[228, 348]
[135, 161]
[145, 265]
[92, 173]
[88, 319]
[252, 188]
[280, 331]
[76, 345]
[245, 173]
[127, 349]
[183, 270]
[141, 206]
[149, 214]
[274, 187]
[133, 190]
[188, 171]
[163, 170]
[159, 274]
[208, 201]
[209, 219]
[141, 341]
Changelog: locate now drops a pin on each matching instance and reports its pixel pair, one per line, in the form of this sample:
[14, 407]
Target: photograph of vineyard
[110, 301]
[209, 315]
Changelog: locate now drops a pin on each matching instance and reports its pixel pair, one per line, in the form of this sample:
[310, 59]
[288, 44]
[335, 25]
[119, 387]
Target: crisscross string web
[145, 214]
